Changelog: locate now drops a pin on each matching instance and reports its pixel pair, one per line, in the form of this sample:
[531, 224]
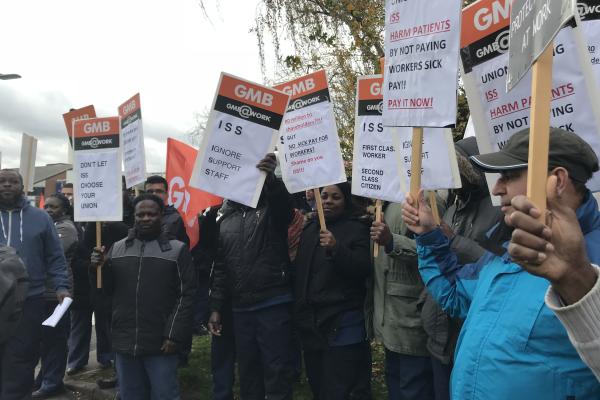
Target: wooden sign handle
[99, 244]
[317, 195]
[415, 164]
[378, 214]
[434, 208]
[539, 133]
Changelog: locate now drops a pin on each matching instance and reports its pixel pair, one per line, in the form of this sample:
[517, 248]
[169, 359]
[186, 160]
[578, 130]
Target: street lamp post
[6, 77]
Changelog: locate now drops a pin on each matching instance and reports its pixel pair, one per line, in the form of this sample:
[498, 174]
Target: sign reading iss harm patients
[132, 139]
[97, 170]
[309, 145]
[375, 172]
[421, 62]
[241, 130]
[497, 115]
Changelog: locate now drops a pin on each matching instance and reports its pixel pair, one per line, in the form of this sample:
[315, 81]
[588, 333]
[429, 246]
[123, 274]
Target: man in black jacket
[252, 270]
[171, 221]
[153, 285]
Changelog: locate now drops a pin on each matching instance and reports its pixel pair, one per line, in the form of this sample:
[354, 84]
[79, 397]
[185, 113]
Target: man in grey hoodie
[31, 232]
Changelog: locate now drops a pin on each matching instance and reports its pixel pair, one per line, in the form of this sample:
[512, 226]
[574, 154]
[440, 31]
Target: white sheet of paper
[58, 313]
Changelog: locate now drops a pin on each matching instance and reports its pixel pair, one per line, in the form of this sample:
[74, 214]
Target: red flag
[42, 201]
[186, 199]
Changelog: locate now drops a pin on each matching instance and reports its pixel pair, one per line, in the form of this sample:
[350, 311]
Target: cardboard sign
[421, 63]
[86, 112]
[375, 165]
[497, 115]
[27, 161]
[241, 130]
[533, 25]
[188, 201]
[97, 191]
[439, 168]
[132, 138]
[309, 146]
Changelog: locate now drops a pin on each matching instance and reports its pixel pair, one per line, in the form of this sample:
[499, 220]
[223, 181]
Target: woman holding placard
[331, 268]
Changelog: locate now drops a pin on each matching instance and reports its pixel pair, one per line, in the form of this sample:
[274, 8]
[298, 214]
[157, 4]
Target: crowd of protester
[487, 303]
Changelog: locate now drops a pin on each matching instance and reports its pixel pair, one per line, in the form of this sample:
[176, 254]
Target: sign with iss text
[497, 115]
[132, 139]
[309, 146]
[375, 166]
[97, 170]
[421, 62]
[241, 130]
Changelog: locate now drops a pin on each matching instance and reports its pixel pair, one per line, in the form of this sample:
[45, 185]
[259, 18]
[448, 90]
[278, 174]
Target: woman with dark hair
[53, 352]
[332, 267]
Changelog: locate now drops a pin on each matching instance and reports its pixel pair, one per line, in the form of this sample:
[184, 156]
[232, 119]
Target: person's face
[54, 208]
[68, 192]
[159, 190]
[310, 195]
[334, 203]
[510, 184]
[147, 217]
[11, 188]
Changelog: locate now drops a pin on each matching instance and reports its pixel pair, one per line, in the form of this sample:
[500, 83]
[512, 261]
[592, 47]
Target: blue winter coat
[511, 345]
[31, 232]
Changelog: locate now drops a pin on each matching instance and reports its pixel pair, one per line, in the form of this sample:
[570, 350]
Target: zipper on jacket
[9, 228]
[255, 226]
[137, 292]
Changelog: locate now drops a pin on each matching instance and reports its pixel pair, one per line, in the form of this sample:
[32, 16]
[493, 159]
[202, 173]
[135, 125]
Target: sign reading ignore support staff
[241, 130]
[375, 165]
[309, 145]
[97, 170]
[534, 23]
[421, 62]
[132, 135]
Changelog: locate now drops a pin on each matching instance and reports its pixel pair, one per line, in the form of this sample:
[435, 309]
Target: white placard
[421, 62]
[27, 161]
[439, 168]
[132, 139]
[376, 163]
[97, 189]
[241, 130]
[497, 115]
[309, 146]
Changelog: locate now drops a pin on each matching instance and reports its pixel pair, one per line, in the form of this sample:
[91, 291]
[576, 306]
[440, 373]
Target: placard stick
[136, 190]
[434, 207]
[539, 135]
[378, 213]
[317, 194]
[415, 164]
[99, 244]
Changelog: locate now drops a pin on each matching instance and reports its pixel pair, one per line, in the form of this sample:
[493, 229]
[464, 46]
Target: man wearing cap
[512, 345]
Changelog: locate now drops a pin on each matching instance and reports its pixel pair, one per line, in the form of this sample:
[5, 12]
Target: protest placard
[97, 192]
[376, 162]
[589, 13]
[86, 112]
[132, 140]
[497, 115]
[309, 146]
[27, 161]
[241, 130]
[439, 169]
[421, 62]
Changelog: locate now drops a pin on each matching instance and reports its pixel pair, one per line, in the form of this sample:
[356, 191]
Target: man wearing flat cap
[512, 346]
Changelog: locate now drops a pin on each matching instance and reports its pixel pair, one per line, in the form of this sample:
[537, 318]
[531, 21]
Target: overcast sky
[72, 53]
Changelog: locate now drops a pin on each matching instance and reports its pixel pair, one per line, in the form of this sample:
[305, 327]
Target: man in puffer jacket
[472, 225]
[511, 345]
[153, 284]
[252, 270]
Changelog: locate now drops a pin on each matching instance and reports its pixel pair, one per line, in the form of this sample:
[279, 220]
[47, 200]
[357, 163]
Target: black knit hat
[567, 150]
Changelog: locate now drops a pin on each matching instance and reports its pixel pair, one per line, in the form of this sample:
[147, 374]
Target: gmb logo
[179, 197]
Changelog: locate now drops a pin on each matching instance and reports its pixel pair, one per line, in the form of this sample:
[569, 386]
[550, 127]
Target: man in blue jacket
[511, 346]
[30, 231]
